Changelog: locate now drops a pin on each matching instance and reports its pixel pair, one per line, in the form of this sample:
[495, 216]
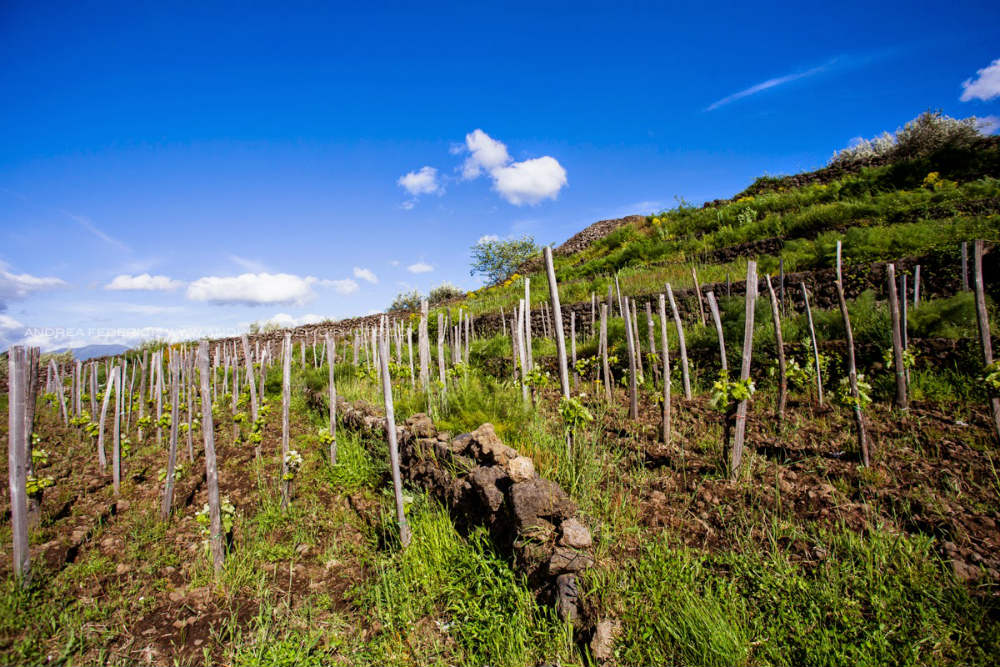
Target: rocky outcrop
[484, 482]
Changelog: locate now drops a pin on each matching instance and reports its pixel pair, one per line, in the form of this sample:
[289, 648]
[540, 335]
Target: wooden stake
[390, 430]
[557, 321]
[16, 464]
[897, 339]
[603, 344]
[682, 344]
[713, 308]
[633, 393]
[168, 488]
[286, 397]
[211, 468]
[331, 345]
[815, 346]
[983, 320]
[666, 369]
[965, 266]
[780, 344]
[527, 323]
[697, 289]
[741, 408]
[852, 371]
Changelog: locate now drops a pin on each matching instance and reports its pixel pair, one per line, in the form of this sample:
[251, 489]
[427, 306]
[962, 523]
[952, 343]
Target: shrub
[406, 301]
[444, 292]
[927, 133]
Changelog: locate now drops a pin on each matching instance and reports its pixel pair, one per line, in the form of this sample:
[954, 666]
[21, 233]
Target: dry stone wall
[484, 482]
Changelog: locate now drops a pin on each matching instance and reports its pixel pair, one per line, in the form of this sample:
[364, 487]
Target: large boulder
[421, 426]
[484, 482]
[487, 447]
[537, 499]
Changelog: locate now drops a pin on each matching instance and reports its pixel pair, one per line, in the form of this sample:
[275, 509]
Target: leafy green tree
[498, 260]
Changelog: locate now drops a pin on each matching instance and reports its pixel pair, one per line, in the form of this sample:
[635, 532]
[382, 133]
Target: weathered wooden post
[683, 346]
[109, 385]
[286, 397]
[897, 339]
[741, 408]
[557, 321]
[781, 285]
[603, 344]
[390, 431]
[331, 345]
[815, 345]
[116, 452]
[527, 323]
[633, 394]
[423, 348]
[572, 349]
[983, 320]
[251, 379]
[697, 289]
[713, 307]
[16, 463]
[168, 489]
[965, 266]
[666, 369]
[852, 371]
[518, 333]
[211, 468]
[440, 355]
[409, 347]
[780, 343]
[652, 342]
[916, 286]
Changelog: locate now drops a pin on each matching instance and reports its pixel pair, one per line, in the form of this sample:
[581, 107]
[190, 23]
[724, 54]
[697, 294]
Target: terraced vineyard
[556, 490]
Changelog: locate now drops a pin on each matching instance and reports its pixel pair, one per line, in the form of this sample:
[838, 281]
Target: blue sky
[230, 163]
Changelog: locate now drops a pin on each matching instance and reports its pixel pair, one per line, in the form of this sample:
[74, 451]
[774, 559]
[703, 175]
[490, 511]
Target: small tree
[498, 260]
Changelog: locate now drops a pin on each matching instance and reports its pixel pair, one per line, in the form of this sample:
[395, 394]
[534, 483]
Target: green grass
[875, 599]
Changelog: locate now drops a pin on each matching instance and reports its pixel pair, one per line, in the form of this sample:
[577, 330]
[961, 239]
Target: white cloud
[988, 124]
[531, 181]
[422, 182]
[365, 274]
[345, 286]
[486, 153]
[20, 285]
[770, 83]
[985, 86]
[408, 204]
[420, 267]
[143, 281]
[488, 237]
[527, 182]
[252, 289]
[8, 322]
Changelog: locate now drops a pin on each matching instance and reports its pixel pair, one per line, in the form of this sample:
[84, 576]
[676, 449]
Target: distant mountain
[93, 351]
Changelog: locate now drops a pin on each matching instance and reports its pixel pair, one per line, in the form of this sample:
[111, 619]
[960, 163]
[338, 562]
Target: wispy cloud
[771, 83]
[250, 265]
[89, 225]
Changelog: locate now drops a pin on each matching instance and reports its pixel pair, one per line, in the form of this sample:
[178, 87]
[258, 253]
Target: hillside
[632, 542]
